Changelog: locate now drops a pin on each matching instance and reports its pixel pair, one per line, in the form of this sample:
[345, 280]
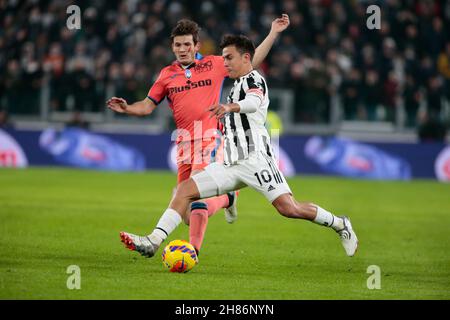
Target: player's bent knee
[188, 190]
[285, 205]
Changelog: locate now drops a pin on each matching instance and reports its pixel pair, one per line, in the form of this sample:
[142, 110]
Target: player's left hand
[219, 110]
[280, 24]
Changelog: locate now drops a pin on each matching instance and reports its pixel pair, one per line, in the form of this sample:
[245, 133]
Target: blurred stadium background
[332, 67]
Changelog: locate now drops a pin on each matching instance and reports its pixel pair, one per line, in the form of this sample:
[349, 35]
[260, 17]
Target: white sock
[327, 219]
[166, 224]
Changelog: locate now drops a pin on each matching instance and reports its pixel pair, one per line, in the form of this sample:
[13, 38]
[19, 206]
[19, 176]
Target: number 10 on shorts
[264, 175]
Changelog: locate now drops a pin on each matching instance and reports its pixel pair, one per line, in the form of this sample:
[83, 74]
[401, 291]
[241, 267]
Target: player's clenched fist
[117, 104]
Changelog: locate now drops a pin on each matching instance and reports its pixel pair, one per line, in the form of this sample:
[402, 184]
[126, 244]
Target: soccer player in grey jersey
[249, 160]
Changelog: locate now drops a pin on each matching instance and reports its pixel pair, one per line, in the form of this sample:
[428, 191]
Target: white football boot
[348, 237]
[231, 211]
[143, 245]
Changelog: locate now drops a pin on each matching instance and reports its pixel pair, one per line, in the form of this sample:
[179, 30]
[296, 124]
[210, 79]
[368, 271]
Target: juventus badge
[188, 73]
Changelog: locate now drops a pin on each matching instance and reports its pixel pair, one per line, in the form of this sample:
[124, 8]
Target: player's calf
[187, 192]
[288, 207]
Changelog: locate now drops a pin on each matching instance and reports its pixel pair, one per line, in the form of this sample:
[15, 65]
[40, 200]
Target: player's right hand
[280, 24]
[117, 104]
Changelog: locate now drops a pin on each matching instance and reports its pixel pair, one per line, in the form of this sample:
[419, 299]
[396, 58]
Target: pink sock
[197, 227]
[216, 203]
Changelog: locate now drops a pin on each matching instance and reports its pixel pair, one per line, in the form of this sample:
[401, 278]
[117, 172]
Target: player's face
[235, 62]
[184, 49]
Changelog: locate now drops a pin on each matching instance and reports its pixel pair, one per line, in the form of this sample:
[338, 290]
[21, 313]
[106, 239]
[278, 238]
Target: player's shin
[197, 224]
[166, 224]
[172, 217]
[327, 219]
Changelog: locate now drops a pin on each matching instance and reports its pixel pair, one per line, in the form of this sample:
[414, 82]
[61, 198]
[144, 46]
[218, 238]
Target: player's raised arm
[140, 108]
[278, 25]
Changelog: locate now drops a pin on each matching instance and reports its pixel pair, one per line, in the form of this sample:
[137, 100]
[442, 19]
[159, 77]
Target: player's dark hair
[186, 27]
[242, 43]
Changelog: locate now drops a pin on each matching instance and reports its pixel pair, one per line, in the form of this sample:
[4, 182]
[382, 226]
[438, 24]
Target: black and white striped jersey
[245, 133]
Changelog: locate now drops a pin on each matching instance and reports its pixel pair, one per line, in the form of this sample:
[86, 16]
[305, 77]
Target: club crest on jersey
[188, 73]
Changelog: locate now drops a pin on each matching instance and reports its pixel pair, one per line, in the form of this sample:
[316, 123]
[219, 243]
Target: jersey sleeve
[219, 66]
[256, 87]
[158, 91]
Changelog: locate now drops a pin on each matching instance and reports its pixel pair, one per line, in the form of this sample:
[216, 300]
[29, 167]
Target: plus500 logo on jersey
[191, 85]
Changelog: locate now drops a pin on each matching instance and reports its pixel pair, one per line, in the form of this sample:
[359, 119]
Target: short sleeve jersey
[190, 92]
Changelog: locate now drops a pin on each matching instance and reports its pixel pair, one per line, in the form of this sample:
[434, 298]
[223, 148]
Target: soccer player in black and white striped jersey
[249, 160]
[244, 131]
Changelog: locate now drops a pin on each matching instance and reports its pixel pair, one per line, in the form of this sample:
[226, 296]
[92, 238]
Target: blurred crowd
[327, 52]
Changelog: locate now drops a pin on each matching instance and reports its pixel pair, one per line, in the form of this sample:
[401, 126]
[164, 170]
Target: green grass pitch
[53, 218]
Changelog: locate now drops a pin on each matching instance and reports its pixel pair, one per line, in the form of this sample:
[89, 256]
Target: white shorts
[258, 172]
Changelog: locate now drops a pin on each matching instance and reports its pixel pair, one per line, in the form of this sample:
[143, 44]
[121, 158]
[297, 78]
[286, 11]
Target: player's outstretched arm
[219, 110]
[278, 26]
[248, 105]
[140, 108]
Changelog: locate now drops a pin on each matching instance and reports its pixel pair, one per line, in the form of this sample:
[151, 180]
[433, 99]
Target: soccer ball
[179, 256]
